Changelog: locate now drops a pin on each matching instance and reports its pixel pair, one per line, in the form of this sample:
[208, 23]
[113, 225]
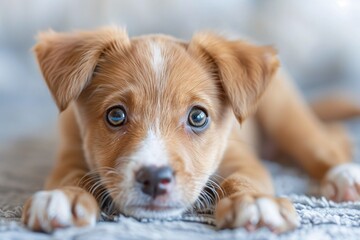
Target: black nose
[154, 181]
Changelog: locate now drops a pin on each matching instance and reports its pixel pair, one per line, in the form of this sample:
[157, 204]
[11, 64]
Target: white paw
[342, 183]
[276, 214]
[48, 210]
[58, 209]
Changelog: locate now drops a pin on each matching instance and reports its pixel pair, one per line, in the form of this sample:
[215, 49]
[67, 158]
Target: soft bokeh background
[318, 42]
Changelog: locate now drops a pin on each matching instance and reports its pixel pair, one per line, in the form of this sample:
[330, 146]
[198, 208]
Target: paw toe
[342, 183]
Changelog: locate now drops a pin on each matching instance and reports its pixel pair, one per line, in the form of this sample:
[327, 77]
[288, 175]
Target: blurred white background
[318, 42]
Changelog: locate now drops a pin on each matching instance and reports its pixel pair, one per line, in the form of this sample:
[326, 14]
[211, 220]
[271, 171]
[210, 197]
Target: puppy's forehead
[154, 65]
[162, 60]
[157, 58]
[154, 71]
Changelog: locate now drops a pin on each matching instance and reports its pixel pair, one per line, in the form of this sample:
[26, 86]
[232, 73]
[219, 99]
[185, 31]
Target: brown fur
[89, 72]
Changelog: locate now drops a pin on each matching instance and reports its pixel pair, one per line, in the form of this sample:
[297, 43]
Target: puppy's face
[153, 107]
[154, 112]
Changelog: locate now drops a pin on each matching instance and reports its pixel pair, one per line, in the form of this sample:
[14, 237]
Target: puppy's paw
[70, 206]
[342, 183]
[277, 214]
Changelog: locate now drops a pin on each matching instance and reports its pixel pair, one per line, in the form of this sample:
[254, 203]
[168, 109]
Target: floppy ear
[67, 60]
[244, 70]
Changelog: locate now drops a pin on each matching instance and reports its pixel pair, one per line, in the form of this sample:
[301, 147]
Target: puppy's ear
[244, 70]
[67, 60]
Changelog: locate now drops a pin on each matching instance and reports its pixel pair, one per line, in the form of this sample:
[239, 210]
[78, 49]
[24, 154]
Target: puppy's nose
[154, 181]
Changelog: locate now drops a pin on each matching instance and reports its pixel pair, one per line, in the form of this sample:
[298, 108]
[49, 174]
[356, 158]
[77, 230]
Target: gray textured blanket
[24, 165]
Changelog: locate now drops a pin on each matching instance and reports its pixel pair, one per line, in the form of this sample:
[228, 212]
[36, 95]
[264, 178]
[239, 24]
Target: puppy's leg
[323, 151]
[64, 203]
[248, 199]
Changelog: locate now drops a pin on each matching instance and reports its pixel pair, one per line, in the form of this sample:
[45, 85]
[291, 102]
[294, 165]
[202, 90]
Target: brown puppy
[148, 122]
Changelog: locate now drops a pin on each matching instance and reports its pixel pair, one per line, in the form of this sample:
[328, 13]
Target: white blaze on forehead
[157, 59]
[151, 150]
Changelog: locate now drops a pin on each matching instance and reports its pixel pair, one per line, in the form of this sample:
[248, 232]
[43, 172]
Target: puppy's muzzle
[155, 181]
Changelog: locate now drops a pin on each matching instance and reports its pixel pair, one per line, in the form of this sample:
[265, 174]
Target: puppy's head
[154, 112]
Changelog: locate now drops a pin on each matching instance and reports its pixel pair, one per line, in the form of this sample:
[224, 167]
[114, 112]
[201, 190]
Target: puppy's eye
[116, 116]
[198, 118]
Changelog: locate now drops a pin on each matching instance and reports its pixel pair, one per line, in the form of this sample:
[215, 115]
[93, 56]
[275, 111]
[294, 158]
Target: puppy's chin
[152, 212]
[138, 205]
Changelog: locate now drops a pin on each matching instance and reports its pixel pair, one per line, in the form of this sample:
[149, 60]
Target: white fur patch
[260, 212]
[342, 182]
[151, 150]
[47, 206]
[264, 209]
[157, 59]
[249, 214]
[270, 212]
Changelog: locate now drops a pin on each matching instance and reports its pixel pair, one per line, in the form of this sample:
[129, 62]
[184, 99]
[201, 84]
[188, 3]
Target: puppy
[148, 123]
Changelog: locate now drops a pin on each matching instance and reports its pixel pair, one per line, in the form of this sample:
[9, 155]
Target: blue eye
[197, 118]
[116, 116]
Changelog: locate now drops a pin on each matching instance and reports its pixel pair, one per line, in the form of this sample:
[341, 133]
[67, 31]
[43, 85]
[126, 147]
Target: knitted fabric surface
[25, 164]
